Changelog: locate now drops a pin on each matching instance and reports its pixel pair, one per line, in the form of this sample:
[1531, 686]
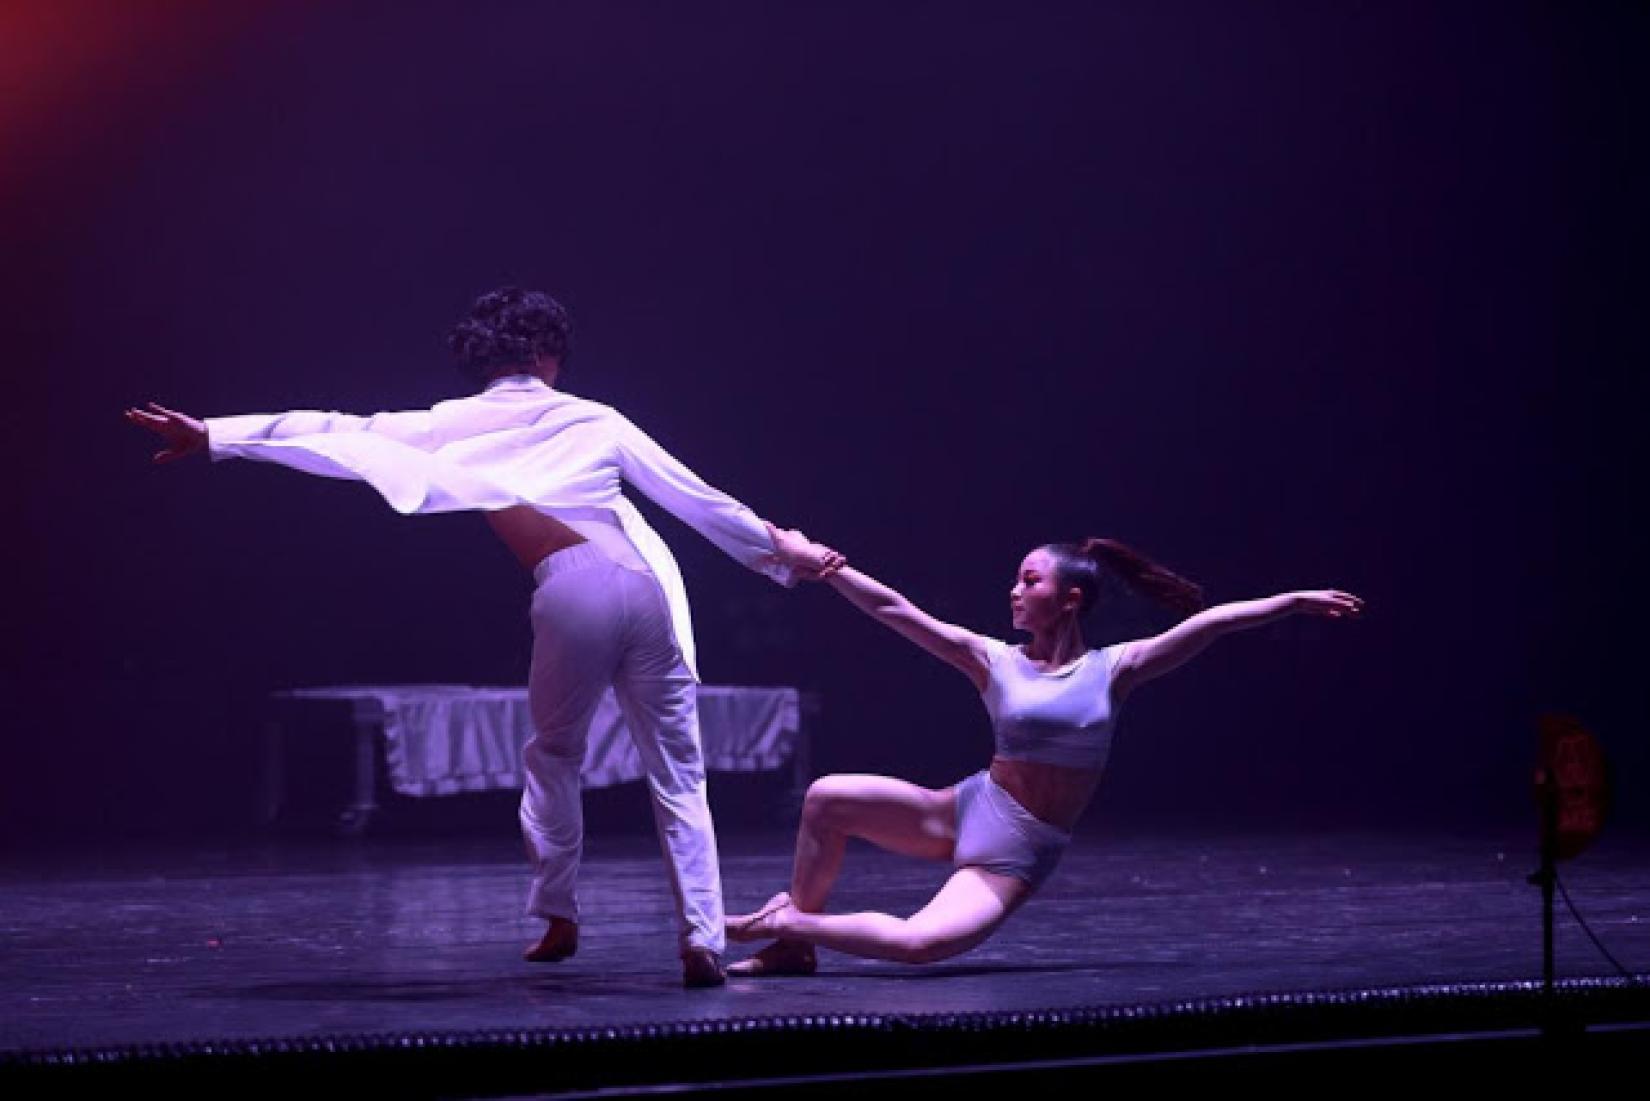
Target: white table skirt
[442, 739]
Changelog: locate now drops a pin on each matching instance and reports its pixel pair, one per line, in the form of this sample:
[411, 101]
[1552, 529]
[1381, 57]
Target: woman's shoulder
[1107, 657]
[991, 653]
[994, 648]
[1109, 671]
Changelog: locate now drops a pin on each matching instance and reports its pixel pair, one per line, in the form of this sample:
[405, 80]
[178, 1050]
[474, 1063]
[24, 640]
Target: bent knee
[826, 800]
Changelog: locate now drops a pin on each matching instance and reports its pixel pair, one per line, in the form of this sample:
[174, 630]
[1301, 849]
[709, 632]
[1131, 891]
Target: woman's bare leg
[891, 814]
[967, 910]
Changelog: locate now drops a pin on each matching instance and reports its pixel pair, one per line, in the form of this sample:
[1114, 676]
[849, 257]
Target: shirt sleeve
[995, 649]
[996, 652]
[415, 428]
[1113, 655]
[669, 484]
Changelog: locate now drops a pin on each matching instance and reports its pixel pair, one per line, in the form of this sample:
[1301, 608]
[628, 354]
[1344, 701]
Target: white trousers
[597, 624]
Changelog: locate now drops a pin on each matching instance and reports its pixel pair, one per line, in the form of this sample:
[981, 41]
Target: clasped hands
[809, 560]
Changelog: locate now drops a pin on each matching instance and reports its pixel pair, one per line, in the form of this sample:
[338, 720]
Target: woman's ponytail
[1143, 575]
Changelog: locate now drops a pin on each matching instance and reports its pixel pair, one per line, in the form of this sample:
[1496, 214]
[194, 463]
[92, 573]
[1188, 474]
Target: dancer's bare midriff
[531, 535]
[1053, 793]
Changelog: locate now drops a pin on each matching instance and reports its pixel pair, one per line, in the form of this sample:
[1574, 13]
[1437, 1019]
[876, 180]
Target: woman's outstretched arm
[952, 644]
[1148, 658]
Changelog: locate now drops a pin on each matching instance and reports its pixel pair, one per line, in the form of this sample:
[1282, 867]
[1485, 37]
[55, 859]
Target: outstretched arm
[1148, 658]
[184, 435]
[181, 434]
[954, 645]
[733, 527]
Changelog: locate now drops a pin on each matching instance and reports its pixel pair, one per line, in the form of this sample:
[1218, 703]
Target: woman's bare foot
[764, 923]
[782, 957]
[560, 941]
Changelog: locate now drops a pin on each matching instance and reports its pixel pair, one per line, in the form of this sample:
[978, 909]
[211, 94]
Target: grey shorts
[996, 833]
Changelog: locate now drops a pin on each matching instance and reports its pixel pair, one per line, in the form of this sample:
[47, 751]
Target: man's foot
[782, 957]
[761, 925]
[702, 967]
[560, 941]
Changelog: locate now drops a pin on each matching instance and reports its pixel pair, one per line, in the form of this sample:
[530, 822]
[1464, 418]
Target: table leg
[357, 816]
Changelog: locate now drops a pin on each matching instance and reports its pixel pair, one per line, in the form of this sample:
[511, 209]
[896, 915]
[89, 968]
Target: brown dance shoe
[759, 925]
[560, 941]
[781, 958]
[701, 967]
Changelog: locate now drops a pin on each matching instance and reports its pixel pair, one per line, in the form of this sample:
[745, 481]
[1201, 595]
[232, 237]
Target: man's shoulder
[574, 403]
[543, 398]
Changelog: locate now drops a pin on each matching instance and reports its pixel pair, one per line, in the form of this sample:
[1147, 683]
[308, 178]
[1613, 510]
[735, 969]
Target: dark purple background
[1286, 294]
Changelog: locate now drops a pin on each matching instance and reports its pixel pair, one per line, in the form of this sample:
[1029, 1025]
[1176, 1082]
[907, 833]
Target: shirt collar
[517, 382]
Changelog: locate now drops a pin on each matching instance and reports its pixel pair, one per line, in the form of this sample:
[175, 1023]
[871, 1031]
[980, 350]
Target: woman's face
[1034, 601]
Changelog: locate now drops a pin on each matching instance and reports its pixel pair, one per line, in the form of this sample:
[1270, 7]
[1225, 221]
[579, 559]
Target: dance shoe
[701, 967]
[760, 925]
[781, 958]
[560, 941]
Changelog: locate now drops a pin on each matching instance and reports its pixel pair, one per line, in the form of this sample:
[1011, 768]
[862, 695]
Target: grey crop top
[1064, 717]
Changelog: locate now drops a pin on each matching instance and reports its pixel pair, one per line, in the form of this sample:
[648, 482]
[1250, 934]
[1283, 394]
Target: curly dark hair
[509, 328]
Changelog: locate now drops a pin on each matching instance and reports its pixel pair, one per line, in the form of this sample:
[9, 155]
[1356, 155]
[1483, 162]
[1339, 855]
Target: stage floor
[287, 939]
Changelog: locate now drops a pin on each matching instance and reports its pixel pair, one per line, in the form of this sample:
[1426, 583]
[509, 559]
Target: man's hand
[182, 434]
[811, 561]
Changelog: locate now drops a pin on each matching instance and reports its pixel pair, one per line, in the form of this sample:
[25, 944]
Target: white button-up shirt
[518, 442]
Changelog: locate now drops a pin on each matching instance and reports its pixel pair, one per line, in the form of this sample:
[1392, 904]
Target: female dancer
[1053, 705]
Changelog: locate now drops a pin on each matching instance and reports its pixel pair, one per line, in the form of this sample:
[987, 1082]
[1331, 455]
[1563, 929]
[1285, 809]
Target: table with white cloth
[443, 739]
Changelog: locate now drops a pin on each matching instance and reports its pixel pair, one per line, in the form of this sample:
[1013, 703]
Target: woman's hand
[811, 561]
[1326, 602]
[182, 434]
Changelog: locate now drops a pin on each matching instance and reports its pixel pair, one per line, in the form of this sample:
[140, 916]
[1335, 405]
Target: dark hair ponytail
[1082, 564]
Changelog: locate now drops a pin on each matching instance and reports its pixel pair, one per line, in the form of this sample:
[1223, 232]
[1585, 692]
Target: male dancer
[609, 607]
